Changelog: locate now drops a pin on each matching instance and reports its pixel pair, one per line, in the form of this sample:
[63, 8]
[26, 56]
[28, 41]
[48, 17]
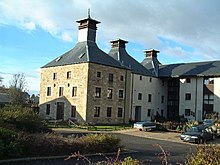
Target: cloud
[192, 23]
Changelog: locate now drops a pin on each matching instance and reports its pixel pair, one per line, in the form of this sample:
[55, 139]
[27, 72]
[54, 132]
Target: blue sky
[34, 32]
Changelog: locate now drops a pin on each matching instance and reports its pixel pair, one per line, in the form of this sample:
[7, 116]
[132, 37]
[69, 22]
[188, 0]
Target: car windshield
[194, 129]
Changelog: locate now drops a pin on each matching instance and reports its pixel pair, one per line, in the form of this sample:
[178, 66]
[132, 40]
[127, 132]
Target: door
[60, 111]
[138, 113]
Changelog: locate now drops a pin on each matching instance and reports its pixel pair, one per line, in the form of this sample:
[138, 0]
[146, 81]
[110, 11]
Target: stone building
[85, 84]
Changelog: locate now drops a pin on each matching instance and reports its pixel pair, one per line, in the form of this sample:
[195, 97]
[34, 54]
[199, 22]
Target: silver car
[145, 125]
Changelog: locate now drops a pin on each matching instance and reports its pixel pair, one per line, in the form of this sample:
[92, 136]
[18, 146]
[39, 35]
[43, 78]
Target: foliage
[49, 144]
[206, 154]
[22, 119]
[9, 145]
[17, 89]
[100, 143]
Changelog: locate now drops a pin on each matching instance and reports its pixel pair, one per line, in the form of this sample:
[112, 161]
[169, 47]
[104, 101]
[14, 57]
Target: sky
[34, 32]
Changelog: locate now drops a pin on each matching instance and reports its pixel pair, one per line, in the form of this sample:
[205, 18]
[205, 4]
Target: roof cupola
[87, 29]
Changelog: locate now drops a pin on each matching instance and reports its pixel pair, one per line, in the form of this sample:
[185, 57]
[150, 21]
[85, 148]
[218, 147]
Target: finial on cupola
[88, 12]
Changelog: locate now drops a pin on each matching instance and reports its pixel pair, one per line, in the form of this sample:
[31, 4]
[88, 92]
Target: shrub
[51, 144]
[22, 119]
[206, 154]
[9, 145]
[100, 143]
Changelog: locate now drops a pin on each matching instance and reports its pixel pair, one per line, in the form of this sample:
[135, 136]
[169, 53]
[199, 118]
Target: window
[139, 96]
[97, 112]
[73, 111]
[47, 109]
[61, 89]
[122, 78]
[140, 77]
[120, 110]
[110, 77]
[188, 96]
[149, 98]
[188, 80]
[162, 111]
[148, 112]
[208, 99]
[150, 80]
[97, 92]
[121, 94]
[54, 76]
[68, 74]
[109, 111]
[187, 112]
[98, 74]
[162, 99]
[74, 91]
[109, 94]
[48, 91]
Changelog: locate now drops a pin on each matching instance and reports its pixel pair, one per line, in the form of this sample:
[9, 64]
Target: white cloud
[29, 25]
[193, 23]
[67, 36]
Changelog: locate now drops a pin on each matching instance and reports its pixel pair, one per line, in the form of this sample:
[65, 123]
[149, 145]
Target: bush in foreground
[206, 154]
[9, 145]
[17, 117]
[53, 144]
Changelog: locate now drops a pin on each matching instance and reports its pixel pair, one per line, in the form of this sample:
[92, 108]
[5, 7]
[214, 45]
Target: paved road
[142, 146]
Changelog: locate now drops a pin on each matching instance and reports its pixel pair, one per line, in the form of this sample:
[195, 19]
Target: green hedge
[21, 118]
[9, 144]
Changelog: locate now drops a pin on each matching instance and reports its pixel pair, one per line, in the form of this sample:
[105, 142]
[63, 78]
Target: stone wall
[103, 102]
[79, 79]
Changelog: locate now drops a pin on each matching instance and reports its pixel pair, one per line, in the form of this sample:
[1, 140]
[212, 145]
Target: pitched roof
[126, 60]
[84, 52]
[210, 68]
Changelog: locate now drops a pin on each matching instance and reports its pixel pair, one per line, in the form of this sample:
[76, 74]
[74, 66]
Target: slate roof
[84, 52]
[210, 68]
[150, 64]
[126, 60]
[4, 98]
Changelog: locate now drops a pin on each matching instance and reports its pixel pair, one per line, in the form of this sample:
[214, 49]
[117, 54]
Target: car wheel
[213, 137]
[200, 141]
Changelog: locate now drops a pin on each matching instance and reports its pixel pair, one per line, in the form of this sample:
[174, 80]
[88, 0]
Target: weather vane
[88, 12]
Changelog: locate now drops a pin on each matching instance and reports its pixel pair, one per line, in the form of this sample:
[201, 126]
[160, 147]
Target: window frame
[61, 92]
[120, 109]
[68, 75]
[149, 100]
[74, 92]
[109, 112]
[48, 107]
[188, 96]
[73, 111]
[98, 92]
[139, 96]
[97, 110]
[55, 76]
[121, 94]
[109, 93]
[49, 91]
[111, 77]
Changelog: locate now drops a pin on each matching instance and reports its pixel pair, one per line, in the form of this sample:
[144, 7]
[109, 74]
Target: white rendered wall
[217, 95]
[195, 88]
[148, 85]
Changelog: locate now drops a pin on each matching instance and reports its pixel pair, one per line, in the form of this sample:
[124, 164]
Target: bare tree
[17, 89]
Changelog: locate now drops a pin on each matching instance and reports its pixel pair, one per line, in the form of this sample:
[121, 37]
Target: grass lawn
[63, 124]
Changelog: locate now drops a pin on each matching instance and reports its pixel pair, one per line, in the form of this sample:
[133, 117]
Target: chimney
[151, 53]
[119, 43]
[87, 29]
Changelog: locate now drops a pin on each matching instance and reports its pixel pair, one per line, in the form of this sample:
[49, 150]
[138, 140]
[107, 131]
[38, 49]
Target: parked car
[145, 125]
[198, 134]
[209, 122]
